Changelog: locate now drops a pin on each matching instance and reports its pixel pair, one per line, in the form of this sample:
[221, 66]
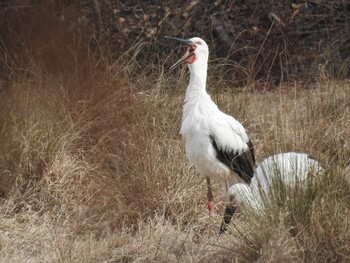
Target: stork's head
[242, 196]
[239, 194]
[197, 51]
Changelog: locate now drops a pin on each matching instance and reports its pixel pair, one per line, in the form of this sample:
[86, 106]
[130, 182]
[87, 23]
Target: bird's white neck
[197, 100]
[198, 79]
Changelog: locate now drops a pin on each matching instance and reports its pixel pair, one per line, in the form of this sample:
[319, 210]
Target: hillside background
[92, 168]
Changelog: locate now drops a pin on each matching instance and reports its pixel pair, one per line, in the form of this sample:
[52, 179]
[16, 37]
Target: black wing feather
[242, 164]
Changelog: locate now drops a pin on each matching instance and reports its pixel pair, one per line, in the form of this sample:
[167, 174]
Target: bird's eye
[198, 43]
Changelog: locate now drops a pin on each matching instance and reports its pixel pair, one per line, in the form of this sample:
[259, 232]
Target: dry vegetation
[92, 167]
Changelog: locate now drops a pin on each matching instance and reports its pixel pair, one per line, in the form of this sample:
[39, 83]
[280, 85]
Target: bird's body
[287, 169]
[283, 170]
[208, 134]
[216, 144]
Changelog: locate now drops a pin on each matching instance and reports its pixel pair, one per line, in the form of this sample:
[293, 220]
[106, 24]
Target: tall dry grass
[93, 168]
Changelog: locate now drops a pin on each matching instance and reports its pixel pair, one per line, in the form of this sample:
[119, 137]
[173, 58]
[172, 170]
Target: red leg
[210, 196]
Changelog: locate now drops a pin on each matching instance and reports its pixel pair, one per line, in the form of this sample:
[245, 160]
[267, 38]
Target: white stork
[290, 169]
[216, 144]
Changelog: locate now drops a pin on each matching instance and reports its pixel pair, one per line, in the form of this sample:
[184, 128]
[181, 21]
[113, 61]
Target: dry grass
[93, 169]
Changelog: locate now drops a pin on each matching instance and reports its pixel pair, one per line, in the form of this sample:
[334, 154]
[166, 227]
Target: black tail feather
[241, 163]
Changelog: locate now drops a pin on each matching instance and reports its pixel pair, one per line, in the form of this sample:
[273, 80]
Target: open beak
[188, 54]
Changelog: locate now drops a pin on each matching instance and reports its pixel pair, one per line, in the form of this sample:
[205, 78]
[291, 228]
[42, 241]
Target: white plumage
[216, 144]
[290, 169]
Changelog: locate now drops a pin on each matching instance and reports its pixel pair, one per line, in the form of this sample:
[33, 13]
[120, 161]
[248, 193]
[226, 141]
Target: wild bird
[288, 170]
[216, 144]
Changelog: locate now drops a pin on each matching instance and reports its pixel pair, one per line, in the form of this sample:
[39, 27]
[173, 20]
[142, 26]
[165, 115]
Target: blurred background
[272, 41]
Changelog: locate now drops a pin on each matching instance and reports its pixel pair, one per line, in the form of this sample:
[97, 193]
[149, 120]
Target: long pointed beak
[186, 42]
[183, 59]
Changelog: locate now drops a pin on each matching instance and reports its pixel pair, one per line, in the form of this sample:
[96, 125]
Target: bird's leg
[229, 211]
[210, 196]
